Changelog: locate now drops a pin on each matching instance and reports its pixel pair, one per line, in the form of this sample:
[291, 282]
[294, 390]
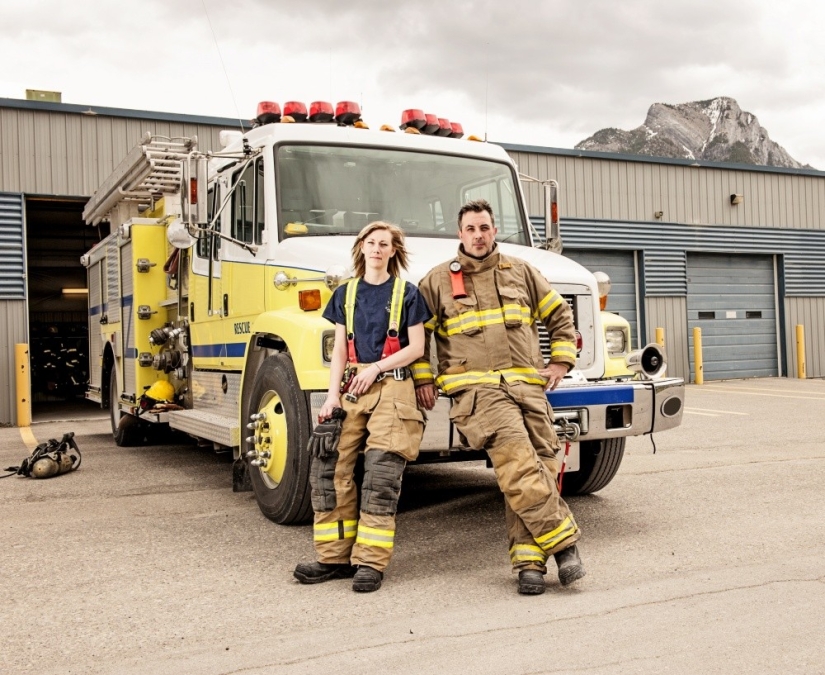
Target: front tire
[598, 463]
[281, 483]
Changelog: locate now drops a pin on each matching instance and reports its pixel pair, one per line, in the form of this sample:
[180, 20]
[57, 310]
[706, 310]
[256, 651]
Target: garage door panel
[731, 298]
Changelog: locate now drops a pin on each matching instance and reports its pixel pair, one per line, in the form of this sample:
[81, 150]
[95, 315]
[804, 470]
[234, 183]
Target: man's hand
[554, 373]
[426, 395]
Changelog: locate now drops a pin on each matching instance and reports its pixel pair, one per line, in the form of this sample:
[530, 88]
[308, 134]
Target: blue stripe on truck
[577, 397]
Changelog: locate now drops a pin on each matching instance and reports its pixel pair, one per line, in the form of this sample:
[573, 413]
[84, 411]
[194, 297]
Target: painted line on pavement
[688, 411]
[757, 393]
[28, 438]
[723, 412]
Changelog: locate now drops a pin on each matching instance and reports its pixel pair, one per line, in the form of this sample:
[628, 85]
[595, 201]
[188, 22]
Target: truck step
[217, 428]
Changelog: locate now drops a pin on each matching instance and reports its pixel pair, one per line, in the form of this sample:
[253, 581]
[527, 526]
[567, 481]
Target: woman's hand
[332, 402]
[364, 379]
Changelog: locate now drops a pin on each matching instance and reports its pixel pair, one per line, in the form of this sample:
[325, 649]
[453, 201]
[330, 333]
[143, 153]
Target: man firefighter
[486, 307]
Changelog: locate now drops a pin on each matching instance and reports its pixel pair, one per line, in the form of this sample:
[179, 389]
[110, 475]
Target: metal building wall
[810, 313]
[13, 329]
[670, 314]
[601, 186]
[67, 150]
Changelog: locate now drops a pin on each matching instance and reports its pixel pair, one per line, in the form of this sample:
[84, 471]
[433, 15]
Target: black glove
[324, 439]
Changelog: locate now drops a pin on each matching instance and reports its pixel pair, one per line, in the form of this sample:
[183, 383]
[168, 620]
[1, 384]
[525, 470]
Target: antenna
[220, 58]
[486, 85]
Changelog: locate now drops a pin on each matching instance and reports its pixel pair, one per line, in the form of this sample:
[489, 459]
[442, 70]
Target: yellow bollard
[697, 356]
[660, 337]
[800, 351]
[23, 385]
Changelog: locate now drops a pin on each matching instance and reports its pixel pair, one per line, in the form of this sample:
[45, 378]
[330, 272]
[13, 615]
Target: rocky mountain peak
[716, 130]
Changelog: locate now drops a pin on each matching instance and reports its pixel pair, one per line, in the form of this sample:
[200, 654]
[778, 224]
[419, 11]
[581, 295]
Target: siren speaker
[649, 362]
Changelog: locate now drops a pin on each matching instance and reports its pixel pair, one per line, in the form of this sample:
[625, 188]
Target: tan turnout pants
[513, 424]
[388, 426]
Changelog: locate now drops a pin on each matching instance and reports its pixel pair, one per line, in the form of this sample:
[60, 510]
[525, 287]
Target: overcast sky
[537, 72]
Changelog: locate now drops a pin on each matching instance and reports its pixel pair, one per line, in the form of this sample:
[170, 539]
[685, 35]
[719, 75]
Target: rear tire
[281, 486]
[598, 463]
[127, 430]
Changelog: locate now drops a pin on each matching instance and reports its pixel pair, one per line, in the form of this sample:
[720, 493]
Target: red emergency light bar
[430, 125]
[347, 112]
[444, 127]
[457, 130]
[296, 110]
[268, 112]
[320, 111]
[413, 117]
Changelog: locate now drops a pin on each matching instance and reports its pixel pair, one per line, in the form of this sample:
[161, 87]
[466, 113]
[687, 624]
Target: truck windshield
[324, 190]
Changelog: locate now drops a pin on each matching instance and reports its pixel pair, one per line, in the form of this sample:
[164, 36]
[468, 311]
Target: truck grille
[544, 338]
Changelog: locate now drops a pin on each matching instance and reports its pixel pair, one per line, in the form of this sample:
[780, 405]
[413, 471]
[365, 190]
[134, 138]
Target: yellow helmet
[161, 391]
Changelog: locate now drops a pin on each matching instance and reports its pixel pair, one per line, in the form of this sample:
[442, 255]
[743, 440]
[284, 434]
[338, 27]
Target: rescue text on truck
[206, 298]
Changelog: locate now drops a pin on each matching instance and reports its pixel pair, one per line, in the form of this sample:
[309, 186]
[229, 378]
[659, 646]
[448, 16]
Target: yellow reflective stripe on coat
[349, 305]
[371, 536]
[563, 348]
[421, 371]
[340, 529]
[521, 553]
[553, 538]
[431, 324]
[453, 381]
[487, 317]
[549, 303]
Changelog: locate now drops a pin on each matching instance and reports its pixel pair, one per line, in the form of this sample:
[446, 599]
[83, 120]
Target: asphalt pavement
[705, 557]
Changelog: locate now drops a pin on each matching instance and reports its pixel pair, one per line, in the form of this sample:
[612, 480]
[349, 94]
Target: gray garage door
[618, 265]
[731, 298]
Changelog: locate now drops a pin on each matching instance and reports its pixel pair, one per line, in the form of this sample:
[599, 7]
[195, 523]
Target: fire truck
[206, 298]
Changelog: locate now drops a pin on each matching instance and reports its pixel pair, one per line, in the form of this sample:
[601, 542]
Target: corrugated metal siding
[599, 188]
[804, 250]
[58, 153]
[810, 313]
[13, 329]
[664, 273]
[12, 248]
[671, 315]
[732, 299]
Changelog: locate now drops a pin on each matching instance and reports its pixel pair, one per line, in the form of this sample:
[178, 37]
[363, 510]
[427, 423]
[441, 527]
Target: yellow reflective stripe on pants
[521, 553]
[553, 538]
[340, 529]
[370, 536]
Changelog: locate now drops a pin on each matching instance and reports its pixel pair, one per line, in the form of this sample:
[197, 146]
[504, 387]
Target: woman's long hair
[398, 262]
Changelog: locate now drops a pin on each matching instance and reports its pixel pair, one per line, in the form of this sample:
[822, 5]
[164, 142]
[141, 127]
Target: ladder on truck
[151, 170]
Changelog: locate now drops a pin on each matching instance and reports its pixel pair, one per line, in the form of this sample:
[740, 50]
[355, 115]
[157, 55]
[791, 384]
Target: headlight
[327, 342]
[616, 341]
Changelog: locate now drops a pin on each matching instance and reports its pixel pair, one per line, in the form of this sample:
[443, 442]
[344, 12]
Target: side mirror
[193, 190]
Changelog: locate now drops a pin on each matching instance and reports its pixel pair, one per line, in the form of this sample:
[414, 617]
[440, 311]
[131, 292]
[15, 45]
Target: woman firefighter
[379, 330]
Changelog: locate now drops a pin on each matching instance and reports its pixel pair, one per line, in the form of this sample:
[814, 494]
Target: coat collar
[470, 265]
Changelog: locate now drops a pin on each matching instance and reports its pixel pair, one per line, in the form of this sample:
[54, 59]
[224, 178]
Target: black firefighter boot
[530, 582]
[570, 565]
[367, 579]
[316, 572]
